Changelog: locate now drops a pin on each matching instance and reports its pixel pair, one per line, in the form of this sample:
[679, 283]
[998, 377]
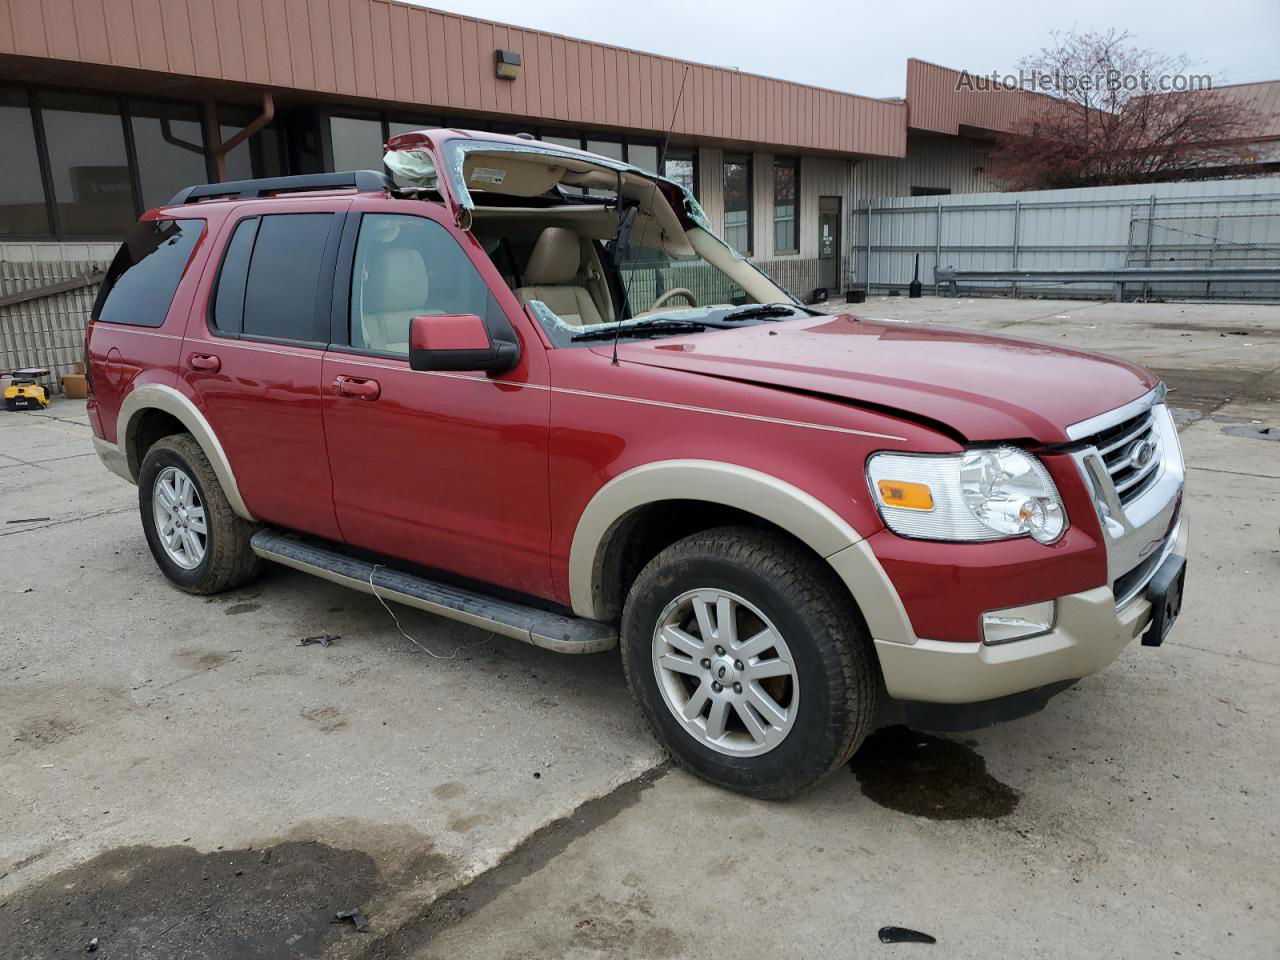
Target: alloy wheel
[180, 519]
[725, 672]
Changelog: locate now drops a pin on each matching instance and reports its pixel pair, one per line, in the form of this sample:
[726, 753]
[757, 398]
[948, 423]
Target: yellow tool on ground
[26, 392]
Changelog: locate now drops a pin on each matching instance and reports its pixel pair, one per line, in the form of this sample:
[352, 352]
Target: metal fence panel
[47, 331]
[1195, 224]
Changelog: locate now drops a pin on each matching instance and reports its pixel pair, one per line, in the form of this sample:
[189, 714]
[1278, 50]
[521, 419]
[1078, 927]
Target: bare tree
[1115, 113]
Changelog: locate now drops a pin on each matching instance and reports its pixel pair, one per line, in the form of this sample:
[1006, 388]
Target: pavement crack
[1235, 473]
[1221, 653]
[74, 423]
[66, 520]
[525, 859]
[1053, 314]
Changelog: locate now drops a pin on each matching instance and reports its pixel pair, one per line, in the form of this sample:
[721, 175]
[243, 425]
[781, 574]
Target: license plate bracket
[1165, 594]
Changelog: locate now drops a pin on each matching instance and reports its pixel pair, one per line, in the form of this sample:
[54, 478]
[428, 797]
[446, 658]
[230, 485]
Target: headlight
[988, 494]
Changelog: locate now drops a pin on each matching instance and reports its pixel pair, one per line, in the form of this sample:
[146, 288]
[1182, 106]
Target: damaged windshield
[571, 286]
[594, 247]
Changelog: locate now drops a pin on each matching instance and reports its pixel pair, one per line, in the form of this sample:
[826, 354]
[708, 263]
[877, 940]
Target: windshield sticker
[488, 175]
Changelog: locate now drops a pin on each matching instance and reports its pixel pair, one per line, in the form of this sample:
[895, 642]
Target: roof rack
[364, 181]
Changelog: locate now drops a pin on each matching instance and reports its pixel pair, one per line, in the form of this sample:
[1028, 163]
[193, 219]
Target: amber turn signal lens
[912, 496]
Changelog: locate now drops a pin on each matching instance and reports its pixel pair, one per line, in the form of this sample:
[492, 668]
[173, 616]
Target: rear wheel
[198, 541]
[749, 661]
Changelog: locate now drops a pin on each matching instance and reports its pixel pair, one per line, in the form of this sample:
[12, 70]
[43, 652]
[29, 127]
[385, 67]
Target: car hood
[984, 387]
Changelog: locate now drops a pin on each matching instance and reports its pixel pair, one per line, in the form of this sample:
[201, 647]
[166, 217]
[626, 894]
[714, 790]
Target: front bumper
[1089, 634]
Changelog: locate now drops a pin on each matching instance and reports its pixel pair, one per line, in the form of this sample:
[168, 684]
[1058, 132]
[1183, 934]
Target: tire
[225, 560]
[829, 698]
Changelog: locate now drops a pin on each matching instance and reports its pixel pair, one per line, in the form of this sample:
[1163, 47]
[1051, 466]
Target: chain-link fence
[1207, 242]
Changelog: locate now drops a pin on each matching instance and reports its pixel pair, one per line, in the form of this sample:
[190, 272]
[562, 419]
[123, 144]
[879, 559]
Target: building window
[357, 143]
[168, 143]
[737, 201]
[638, 153]
[259, 156]
[786, 209]
[88, 164]
[681, 165]
[930, 191]
[22, 206]
[397, 127]
[643, 155]
[606, 148]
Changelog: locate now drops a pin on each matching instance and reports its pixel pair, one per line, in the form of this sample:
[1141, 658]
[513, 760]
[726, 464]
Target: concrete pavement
[507, 802]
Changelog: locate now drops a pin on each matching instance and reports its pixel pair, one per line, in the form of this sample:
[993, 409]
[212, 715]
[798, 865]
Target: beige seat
[394, 292]
[553, 267]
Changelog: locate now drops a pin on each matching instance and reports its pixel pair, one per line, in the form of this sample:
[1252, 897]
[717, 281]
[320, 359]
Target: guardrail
[1118, 277]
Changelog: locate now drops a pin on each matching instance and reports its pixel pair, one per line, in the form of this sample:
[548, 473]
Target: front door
[446, 470]
[829, 244]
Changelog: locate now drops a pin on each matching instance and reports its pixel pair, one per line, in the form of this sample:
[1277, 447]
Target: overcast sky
[862, 47]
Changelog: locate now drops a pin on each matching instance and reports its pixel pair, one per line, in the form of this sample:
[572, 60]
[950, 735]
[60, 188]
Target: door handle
[204, 362]
[358, 387]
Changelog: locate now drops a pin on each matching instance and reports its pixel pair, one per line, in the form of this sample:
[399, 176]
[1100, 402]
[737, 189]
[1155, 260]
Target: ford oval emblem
[1141, 453]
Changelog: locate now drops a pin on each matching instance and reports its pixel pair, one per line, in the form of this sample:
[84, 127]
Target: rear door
[446, 470]
[253, 357]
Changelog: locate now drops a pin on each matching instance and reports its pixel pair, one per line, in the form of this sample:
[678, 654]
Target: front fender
[752, 491]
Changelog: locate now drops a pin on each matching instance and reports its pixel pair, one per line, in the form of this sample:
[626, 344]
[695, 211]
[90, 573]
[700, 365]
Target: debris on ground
[904, 935]
[266, 857]
[358, 919]
[29, 520]
[92, 946]
[324, 639]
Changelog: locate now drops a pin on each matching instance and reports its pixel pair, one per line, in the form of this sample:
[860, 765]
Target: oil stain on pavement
[176, 903]
[927, 776]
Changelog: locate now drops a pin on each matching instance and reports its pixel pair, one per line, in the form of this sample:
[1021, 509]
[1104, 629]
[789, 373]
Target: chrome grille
[1122, 450]
[1138, 498]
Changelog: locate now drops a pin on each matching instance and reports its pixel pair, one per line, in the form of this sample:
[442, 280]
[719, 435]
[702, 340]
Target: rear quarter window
[143, 277]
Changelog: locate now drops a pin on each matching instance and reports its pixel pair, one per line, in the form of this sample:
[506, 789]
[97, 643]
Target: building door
[829, 245]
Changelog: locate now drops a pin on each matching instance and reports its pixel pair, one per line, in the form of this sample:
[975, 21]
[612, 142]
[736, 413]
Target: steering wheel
[671, 294]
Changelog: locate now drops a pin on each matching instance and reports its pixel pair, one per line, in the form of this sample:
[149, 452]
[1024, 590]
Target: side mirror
[457, 341]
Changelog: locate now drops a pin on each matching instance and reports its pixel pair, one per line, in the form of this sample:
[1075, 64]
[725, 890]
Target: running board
[551, 631]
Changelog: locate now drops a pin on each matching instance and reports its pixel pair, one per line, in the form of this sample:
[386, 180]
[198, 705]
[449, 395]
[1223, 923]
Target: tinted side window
[228, 300]
[284, 276]
[143, 277]
[408, 267]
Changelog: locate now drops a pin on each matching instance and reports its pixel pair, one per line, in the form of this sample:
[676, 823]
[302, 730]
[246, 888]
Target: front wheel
[198, 541]
[749, 661]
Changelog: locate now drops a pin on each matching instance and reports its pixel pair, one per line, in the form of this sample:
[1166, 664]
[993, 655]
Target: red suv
[528, 388]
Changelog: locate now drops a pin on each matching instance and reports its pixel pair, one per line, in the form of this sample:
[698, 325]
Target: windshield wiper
[761, 311]
[644, 328]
